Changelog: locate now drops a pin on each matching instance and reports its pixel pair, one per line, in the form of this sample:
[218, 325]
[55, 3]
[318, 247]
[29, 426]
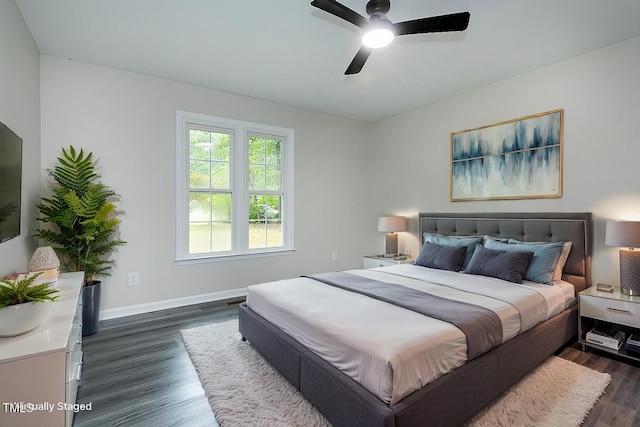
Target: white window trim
[239, 179]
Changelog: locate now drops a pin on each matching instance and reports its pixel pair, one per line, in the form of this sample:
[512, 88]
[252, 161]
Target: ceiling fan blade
[358, 61]
[341, 11]
[434, 24]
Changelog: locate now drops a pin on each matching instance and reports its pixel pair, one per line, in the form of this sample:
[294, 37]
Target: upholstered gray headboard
[529, 227]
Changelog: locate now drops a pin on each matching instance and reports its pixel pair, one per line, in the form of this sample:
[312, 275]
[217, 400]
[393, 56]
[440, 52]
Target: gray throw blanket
[481, 326]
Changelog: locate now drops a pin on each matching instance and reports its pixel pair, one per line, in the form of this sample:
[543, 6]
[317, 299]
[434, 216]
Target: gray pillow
[441, 257]
[505, 265]
[469, 242]
[544, 261]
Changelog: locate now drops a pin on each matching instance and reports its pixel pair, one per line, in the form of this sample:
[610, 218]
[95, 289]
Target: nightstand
[373, 261]
[610, 310]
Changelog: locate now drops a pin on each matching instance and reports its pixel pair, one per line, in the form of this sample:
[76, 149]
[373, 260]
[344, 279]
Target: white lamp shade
[392, 224]
[624, 234]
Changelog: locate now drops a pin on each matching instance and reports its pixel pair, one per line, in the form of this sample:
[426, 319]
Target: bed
[451, 396]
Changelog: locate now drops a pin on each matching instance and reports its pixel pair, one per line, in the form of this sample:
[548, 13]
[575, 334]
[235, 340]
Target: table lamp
[626, 234]
[391, 225]
[46, 261]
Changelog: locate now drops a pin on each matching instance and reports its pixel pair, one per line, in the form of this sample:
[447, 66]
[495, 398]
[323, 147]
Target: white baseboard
[131, 310]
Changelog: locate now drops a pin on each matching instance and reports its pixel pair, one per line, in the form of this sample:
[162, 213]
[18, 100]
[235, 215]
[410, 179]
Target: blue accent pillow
[469, 242]
[562, 260]
[544, 261]
[441, 257]
[506, 265]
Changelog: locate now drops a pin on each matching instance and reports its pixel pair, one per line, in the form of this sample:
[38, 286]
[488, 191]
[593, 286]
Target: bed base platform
[451, 400]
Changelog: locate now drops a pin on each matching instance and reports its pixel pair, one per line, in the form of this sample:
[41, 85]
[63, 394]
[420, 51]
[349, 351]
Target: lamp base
[629, 272]
[391, 245]
[630, 292]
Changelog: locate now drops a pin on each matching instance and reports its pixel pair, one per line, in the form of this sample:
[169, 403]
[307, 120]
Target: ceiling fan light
[377, 37]
[379, 31]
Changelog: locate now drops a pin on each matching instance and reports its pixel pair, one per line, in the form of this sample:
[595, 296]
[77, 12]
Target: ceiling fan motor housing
[381, 6]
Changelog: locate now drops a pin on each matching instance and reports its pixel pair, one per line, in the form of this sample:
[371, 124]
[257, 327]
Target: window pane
[209, 164]
[221, 207]
[256, 177]
[199, 174]
[273, 151]
[220, 146]
[265, 160]
[265, 221]
[199, 207]
[256, 150]
[220, 175]
[209, 222]
[199, 144]
[221, 240]
[199, 237]
[273, 178]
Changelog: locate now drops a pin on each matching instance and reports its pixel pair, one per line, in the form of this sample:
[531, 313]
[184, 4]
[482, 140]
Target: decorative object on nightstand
[626, 234]
[391, 225]
[46, 261]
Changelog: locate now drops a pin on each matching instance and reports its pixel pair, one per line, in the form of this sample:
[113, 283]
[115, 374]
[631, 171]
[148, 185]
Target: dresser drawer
[614, 311]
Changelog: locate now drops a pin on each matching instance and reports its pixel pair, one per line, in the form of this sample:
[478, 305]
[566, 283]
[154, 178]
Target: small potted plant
[23, 304]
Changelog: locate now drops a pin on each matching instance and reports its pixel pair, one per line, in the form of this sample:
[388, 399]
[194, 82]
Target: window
[235, 188]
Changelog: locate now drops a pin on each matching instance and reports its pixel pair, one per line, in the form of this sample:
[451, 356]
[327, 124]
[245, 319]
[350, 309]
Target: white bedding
[389, 350]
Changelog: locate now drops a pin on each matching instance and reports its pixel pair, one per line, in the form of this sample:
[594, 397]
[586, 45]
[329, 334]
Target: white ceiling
[290, 52]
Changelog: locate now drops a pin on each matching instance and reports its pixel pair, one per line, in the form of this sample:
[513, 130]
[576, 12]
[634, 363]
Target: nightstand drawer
[622, 312]
[373, 263]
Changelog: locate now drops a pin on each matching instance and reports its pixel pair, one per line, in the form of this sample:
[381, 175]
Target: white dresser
[40, 370]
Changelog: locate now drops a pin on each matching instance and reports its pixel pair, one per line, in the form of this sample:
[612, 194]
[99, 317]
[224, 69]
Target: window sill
[234, 257]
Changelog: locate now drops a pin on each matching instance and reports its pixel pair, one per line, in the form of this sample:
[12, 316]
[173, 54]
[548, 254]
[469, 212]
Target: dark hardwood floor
[137, 373]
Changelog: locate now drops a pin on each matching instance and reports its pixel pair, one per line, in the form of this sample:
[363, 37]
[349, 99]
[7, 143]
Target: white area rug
[244, 390]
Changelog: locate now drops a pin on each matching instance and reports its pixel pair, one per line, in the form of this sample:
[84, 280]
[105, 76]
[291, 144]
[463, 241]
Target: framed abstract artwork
[515, 159]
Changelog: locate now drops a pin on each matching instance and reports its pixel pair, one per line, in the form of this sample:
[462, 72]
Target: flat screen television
[10, 183]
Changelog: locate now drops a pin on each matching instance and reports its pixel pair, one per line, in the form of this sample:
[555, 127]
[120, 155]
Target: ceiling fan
[378, 30]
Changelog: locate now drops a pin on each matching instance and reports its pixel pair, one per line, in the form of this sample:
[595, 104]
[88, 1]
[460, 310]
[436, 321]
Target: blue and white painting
[517, 159]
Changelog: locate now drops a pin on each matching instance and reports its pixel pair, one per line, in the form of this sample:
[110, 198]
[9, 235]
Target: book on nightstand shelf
[633, 343]
[606, 338]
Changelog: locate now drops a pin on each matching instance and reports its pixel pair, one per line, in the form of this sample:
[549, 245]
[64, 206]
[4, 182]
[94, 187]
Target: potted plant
[23, 304]
[82, 223]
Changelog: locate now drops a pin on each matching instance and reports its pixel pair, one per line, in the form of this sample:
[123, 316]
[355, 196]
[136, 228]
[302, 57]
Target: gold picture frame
[514, 159]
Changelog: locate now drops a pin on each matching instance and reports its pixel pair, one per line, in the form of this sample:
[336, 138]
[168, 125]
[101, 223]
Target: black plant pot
[91, 308]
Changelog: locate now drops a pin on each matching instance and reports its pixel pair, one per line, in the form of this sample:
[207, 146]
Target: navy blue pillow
[441, 256]
[468, 242]
[544, 261]
[505, 265]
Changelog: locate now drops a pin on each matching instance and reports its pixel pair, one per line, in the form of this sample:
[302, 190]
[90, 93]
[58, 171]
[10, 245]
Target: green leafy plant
[13, 292]
[81, 216]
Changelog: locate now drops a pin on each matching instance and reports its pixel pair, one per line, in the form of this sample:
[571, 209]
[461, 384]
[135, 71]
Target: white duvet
[389, 350]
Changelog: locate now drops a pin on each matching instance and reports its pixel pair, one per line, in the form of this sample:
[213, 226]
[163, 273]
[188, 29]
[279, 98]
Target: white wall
[347, 172]
[128, 121]
[20, 111]
[600, 94]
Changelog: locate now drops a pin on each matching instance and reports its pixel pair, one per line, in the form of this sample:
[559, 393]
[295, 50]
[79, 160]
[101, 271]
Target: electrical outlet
[134, 279]
[334, 256]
